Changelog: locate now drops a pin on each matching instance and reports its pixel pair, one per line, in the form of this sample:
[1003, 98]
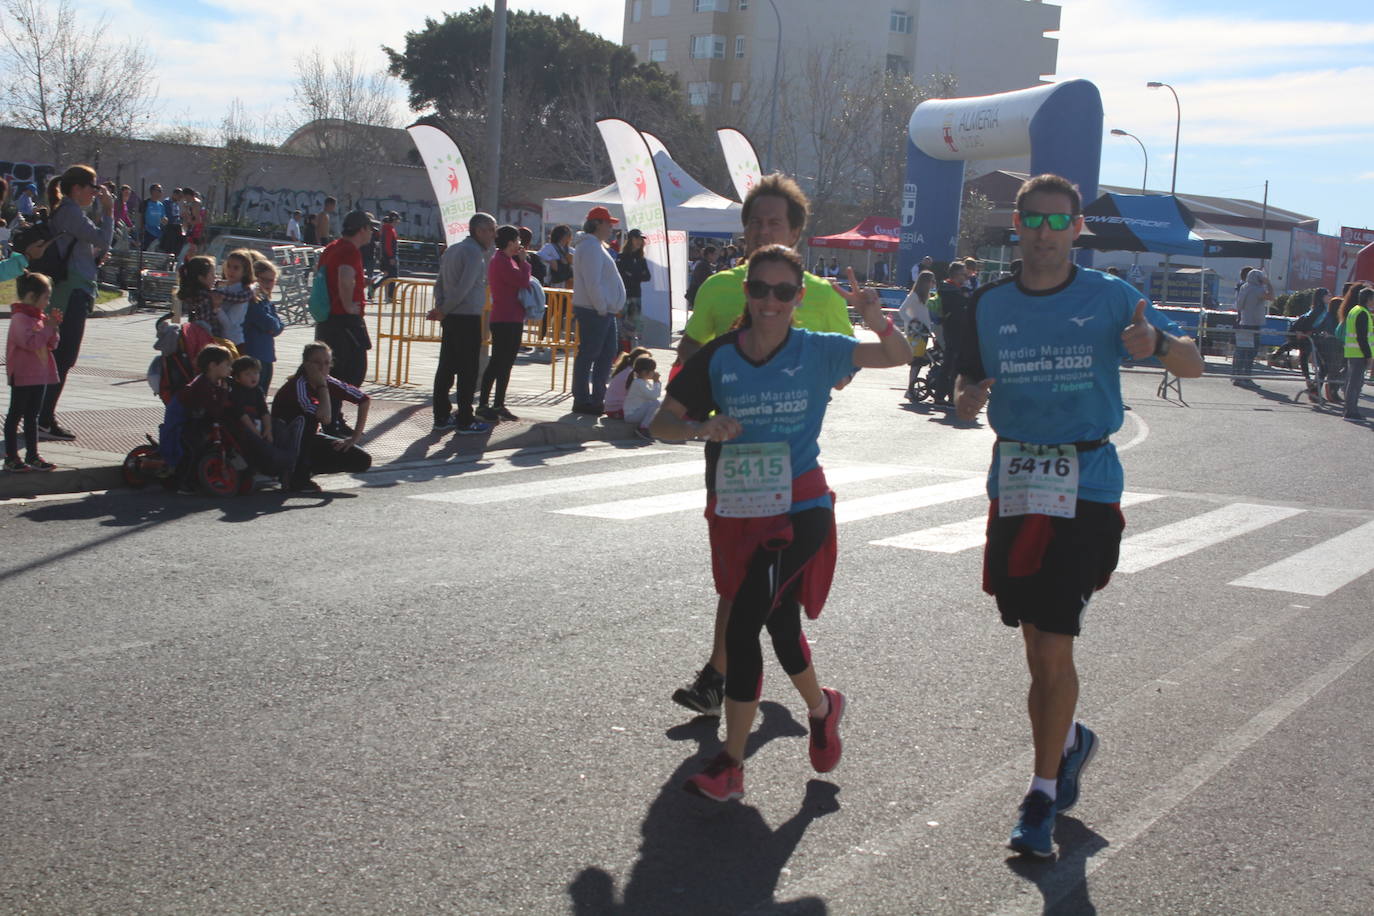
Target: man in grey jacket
[1252, 304]
[460, 294]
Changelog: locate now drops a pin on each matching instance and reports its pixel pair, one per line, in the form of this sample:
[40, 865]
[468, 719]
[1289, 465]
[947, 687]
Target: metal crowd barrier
[406, 322]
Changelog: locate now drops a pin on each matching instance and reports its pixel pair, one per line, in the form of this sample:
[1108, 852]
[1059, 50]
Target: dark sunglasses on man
[1030, 219]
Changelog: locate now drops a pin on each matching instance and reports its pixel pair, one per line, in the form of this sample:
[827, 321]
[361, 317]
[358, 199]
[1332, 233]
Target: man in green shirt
[774, 213]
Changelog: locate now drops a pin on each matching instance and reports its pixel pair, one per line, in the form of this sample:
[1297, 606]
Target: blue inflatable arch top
[1060, 125]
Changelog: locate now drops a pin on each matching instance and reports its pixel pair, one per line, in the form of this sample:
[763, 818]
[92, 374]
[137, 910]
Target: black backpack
[53, 262]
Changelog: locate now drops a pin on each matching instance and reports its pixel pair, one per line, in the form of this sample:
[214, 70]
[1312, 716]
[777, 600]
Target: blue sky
[1269, 90]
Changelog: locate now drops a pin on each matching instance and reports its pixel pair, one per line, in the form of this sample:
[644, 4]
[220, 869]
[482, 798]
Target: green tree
[559, 80]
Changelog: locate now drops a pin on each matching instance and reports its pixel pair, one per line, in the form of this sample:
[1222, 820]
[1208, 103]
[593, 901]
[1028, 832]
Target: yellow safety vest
[1352, 343]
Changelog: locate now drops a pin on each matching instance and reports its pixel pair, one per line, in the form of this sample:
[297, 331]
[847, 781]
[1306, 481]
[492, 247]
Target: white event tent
[692, 207]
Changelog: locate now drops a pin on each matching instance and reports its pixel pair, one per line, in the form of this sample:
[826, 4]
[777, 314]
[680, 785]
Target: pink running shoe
[722, 779]
[826, 745]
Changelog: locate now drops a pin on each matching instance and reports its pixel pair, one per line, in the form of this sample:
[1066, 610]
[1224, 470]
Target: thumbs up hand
[971, 398]
[1140, 336]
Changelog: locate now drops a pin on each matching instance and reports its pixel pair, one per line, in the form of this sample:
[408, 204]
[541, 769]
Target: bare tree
[72, 83]
[827, 120]
[240, 138]
[974, 215]
[343, 104]
[883, 162]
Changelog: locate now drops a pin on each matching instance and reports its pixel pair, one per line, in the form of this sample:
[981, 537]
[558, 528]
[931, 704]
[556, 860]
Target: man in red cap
[598, 297]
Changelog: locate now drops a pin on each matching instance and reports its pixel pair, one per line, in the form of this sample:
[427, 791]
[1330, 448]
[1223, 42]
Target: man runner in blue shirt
[1043, 350]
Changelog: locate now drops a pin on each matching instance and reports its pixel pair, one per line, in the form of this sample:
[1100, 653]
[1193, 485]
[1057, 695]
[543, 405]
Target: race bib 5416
[1037, 479]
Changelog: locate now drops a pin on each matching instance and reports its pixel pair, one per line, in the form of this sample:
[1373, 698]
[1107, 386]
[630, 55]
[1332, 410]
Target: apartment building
[725, 51]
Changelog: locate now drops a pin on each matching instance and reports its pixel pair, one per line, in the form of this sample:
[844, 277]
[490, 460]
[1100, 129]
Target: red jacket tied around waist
[738, 539]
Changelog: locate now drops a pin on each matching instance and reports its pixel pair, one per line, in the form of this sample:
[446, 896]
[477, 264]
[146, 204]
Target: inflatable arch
[1060, 125]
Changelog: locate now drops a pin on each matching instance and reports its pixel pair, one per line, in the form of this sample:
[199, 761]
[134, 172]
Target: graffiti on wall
[419, 220]
[33, 173]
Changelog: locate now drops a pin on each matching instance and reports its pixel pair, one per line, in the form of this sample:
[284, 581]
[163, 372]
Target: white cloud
[248, 50]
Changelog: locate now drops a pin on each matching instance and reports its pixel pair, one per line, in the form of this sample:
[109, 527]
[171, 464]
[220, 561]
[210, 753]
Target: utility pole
[1264, 223]
[496, 90]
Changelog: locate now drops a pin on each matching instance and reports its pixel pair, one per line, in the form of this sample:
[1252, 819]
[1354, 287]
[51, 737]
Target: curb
[541, 434]
[62, 480]
[115, 308]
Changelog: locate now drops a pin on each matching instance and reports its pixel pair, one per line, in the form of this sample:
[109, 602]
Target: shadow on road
[132, 514]
[699, 856]
[1063, 881]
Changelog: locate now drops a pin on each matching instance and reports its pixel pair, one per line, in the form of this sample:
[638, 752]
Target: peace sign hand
[863, 300]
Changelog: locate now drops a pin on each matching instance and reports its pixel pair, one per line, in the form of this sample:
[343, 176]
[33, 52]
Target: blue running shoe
[1033, 833]
[1073, 764]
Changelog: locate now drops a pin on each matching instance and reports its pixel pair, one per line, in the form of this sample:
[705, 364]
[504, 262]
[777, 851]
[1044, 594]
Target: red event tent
[876, 233]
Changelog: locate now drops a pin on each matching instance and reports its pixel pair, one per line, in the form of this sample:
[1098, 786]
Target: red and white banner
[677, 238]
[642, 200]
[741, 159]
[1361, 237]
[448, 175]
[1313, 260]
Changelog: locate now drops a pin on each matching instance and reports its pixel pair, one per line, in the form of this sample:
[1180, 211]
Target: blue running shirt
[782, 399]
[1056, 359]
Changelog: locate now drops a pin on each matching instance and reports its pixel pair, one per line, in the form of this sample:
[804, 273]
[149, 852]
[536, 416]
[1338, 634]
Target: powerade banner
[741, 159]
[1313, 260]
[677, 238]
[642, 200]
[448, 175]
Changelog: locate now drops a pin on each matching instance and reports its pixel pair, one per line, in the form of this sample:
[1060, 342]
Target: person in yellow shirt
[774, 213]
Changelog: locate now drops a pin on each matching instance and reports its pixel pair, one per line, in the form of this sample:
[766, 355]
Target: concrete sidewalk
[111, 408]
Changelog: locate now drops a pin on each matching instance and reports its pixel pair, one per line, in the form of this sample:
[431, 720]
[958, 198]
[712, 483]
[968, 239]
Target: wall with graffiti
[419, 219]
[21, 173]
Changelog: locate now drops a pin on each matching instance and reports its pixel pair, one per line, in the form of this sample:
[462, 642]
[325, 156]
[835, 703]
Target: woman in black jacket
[634, 270]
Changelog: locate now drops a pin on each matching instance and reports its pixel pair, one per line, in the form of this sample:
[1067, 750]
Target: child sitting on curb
[643, 397]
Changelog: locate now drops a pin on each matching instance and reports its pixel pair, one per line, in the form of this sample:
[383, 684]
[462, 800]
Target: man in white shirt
[598, 297]
[293, 227]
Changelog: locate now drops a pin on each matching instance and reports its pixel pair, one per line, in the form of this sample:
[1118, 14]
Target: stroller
[925, 356]
[188, 452]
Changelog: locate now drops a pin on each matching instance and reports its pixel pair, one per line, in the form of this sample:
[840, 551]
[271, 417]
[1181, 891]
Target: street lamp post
[1144, 179]
[1173, 181]
[496, 86]
[773, 108]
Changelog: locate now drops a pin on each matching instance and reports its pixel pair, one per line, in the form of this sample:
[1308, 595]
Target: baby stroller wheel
[216, 475]
[919, 391]
[133, 466]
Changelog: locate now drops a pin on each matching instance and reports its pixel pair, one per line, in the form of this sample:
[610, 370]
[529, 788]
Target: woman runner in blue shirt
[758, 396]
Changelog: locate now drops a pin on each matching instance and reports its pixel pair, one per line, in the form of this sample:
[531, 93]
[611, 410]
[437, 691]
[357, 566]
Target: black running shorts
[1043, 571]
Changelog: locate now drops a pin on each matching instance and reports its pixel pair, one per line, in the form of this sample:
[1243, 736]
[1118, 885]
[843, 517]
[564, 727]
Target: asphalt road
[450, 693]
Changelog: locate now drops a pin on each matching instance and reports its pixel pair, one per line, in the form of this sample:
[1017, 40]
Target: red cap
[602, 213]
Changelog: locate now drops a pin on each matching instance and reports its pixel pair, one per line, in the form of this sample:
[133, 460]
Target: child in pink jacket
[31, 368]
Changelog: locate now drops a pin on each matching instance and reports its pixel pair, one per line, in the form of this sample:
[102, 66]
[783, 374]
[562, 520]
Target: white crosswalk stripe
[1317, 571]
[957, 537]
[1321, 569]
[382, 477]
[854, 510]
[560, 485]
[663, 503]
[1178, 539]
